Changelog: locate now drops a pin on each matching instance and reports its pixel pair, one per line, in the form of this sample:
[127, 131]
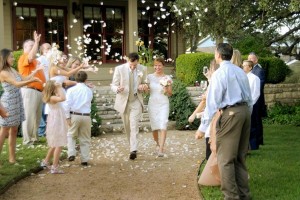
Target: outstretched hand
[36, 36]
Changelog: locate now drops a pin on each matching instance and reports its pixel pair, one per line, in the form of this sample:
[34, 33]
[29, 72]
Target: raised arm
[34, 50]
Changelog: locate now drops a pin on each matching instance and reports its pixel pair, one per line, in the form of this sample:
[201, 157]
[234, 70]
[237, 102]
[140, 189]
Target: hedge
[189, 67]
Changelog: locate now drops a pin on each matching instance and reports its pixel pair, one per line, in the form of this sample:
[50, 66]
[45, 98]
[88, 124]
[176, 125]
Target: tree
[236, 19]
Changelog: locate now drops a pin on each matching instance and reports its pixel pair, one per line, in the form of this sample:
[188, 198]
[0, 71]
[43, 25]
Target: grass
[28, 162]
[274, 168]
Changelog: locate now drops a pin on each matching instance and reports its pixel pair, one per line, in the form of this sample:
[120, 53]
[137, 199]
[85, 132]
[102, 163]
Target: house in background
[104, 30]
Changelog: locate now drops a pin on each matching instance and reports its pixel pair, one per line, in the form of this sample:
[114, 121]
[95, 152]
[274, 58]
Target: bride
[158, 107]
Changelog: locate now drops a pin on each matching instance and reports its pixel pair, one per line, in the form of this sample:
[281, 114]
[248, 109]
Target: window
[105, 27]
[154, 26]
[49, 21]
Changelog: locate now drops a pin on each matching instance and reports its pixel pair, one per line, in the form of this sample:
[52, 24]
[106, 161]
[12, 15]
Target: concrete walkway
[112, 175]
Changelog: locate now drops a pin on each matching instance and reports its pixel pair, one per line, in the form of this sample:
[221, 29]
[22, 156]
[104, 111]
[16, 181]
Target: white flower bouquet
[165, 81]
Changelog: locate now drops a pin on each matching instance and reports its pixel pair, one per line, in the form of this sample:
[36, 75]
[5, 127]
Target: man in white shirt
[254, 82]
[230, 93]
[129, 81]
[78, 109]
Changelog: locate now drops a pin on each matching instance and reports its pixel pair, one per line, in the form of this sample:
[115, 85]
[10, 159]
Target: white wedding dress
[158, 105]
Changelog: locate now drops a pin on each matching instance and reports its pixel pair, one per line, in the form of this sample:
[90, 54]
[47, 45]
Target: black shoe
[132, 155]
[71, 158]
[84, 164]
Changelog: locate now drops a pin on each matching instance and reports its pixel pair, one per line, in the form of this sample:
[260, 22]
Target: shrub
[276, 69]
[283, 115]
[181, 107]
[189, 67]
[96, 120]
[17, 55]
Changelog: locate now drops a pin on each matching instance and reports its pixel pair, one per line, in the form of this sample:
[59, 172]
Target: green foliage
[96, 120]
[283, 114]
[250, 43]
[181, 107]
[189, 67]
[17, 55]
[276, 69]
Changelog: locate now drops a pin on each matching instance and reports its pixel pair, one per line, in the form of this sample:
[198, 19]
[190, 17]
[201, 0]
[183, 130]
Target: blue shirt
[228, 85]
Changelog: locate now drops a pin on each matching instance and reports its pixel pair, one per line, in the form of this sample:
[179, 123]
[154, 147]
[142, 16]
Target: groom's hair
[133, 57]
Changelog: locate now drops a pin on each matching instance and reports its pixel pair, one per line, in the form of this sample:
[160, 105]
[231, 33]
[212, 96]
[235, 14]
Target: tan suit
[130, 111]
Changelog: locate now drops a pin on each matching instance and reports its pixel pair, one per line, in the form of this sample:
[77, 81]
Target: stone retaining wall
[288, 94]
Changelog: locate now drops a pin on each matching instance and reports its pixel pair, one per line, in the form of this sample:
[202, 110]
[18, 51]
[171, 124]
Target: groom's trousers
[131, 118]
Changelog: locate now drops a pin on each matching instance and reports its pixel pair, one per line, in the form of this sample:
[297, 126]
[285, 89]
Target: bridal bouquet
[166, 81]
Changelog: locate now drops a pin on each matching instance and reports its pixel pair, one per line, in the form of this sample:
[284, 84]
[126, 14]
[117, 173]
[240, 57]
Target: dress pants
[32, 101]
[131, 118]
[233, 131]
[80, 128]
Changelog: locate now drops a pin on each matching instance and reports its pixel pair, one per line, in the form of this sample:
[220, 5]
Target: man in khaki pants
[78, 109]
[229, 92]
[129, 81]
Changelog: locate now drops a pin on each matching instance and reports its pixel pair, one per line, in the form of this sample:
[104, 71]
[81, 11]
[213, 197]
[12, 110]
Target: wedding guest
[237, 58]
[254, 82]
[44, 61]
[12, 113]
[56, 125]
[129, 81]
[200, 108]
[78, 109]
[233, 97]
[160, 86]
[259, 107]
[58, 71]
[31, 93]
[73, 63]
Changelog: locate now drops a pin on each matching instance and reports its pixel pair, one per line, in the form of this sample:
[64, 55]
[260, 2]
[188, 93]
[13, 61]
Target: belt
[82, 114]
[34, 89]
[234, 105]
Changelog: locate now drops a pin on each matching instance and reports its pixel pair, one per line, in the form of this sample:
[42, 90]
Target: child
[57, 127]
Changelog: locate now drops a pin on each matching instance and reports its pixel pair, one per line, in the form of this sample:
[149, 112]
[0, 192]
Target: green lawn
[274, 169]
[28, 161]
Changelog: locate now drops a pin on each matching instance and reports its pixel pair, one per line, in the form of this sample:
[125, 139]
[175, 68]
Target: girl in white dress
[158, 107]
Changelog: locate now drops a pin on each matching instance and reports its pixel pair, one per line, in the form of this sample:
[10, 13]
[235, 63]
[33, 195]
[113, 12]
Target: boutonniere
[139, 74]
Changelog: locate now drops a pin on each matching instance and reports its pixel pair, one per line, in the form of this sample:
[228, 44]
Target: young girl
[57, 127]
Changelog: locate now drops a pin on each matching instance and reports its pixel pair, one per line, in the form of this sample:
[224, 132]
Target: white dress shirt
[254, 82]
[79, 99]
[228, 85]
[45, 62]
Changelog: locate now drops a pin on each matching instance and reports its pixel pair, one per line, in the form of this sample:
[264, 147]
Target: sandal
[44, 164]
[56, 170]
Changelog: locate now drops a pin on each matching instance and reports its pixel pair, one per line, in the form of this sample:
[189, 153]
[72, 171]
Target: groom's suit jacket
[121, 78]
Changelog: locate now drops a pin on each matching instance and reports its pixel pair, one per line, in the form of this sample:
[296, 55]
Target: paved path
[112, 176]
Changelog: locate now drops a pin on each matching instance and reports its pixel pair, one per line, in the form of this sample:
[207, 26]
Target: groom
[129, 81]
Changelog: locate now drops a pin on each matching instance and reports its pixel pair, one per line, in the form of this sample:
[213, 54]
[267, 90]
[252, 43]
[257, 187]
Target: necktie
[131, 87]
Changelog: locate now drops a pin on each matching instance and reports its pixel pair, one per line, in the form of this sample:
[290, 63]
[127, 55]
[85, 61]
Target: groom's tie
[131, 87]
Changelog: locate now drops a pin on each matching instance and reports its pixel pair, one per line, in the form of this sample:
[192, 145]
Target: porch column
[75, 29]
[2, 25]
[132, 26]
